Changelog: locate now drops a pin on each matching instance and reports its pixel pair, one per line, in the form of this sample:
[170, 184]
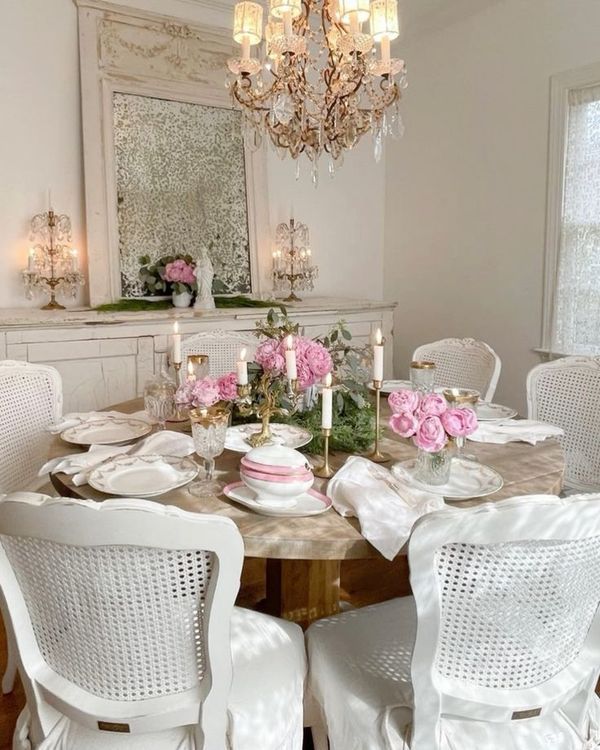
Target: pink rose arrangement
[179, 272]
[207, 392]
[428, 420]
[313, 361]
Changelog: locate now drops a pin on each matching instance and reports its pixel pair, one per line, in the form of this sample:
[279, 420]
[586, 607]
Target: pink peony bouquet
[313, 361]
[428, 420]
[206, 392]
[180, 274]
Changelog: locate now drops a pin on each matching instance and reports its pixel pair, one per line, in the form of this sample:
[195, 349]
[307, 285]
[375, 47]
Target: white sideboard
[105, 358]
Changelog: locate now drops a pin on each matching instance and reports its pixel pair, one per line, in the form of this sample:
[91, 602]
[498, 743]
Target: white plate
[488, 412]
[142, 476]
[389, 386]
[311, 503]
[107, 431]
[283, 434]
[467, 479]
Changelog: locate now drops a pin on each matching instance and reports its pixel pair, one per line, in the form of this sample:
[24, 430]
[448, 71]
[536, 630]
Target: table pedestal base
[303, 590]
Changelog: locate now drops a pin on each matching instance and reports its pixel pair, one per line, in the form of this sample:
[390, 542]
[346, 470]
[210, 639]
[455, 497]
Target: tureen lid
[276, 455]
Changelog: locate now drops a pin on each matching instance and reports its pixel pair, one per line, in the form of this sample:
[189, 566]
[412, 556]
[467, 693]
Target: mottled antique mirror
[166, 170]
[181, 185]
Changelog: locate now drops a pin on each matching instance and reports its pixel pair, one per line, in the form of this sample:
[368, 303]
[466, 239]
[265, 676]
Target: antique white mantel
[106, 358]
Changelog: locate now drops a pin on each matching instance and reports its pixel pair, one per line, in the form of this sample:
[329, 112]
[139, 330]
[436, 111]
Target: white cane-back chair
[30, 401]
[126, 631]
[501, 651]
[222, 347]
[566, 393]
[463, 363]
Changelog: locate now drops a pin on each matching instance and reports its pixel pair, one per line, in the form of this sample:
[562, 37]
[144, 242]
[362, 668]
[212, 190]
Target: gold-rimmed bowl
[461, 396]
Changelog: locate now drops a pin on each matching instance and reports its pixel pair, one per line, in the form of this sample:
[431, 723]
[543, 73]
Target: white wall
[466, 187]
[40, 146]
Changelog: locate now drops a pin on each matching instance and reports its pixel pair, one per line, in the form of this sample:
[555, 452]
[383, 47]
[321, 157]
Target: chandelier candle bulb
[247, 24]
[385, 50]
[176, 343]
[242, 369]
[74, 260]
[31, 260]
[290, 359]
[359, 9]
[287, 23]
[378, 357]
[327, 403]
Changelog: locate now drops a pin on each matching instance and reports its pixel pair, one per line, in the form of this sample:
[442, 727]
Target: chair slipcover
[124, 622]
[504, 653]
[463, 363]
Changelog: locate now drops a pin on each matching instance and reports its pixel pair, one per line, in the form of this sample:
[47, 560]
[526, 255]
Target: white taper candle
[242, 369]
[290, 359]
[378, 356]
[176, 343]
[326, 403]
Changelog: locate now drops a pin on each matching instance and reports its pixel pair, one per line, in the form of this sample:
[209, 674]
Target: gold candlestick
[179, 416]
[376, 455]
[268, 390]
[325, 471]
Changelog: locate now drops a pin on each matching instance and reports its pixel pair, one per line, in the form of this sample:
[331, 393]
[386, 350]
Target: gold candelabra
[269, 391]
[52, 265]
[376, 455]
[292, 260]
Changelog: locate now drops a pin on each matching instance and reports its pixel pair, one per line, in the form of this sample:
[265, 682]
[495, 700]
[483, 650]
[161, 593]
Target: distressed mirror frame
[133, 51]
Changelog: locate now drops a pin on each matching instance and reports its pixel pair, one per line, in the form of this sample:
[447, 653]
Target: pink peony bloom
[205, 393]
[471, 423]
[432, 405]
[269, 356]
[430, 435]
[404, 424]
[403, 401]
[183, 396]
[228, 387]
[306, 377]
[459, 422]
[318, 359]
[179, 270]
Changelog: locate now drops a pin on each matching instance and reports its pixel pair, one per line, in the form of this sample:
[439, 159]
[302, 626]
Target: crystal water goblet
[209, 427]
[422, 376]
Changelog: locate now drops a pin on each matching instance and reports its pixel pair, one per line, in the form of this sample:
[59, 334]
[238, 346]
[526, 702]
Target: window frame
[560, 85]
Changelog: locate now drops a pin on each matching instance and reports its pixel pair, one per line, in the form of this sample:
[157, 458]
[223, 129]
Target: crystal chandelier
[322, 85]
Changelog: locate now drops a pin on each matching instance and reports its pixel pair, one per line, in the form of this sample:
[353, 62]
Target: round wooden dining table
[304, 556]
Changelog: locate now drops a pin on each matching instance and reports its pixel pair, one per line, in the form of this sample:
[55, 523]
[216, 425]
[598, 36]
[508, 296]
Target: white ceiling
[423, 16]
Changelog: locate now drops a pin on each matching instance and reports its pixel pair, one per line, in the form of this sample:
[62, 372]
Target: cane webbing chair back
[507, 600]
[222, 347]
[463, 363]
[30, 401]
[566, 393]
[121, 609]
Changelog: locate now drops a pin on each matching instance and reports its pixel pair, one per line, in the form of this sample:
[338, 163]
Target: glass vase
[433, 468]
[159, 395]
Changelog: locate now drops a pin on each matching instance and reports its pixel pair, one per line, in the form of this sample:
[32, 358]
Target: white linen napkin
[510, 430]
[75, 418]
[386, 506]
[80, 465]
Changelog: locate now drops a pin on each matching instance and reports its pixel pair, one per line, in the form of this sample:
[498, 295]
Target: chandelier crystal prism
[322, 83]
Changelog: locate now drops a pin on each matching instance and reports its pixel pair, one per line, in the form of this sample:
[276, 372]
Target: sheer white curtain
[576, 324]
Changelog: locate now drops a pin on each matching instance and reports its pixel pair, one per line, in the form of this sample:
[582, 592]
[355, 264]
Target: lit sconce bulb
[384, 25]
[74, 260]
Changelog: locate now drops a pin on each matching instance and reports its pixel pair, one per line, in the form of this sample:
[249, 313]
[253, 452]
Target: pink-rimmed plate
[311, 503]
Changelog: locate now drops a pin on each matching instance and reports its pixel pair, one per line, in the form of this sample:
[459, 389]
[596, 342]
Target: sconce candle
[31, 260]
[290, 359]
[74, 260]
